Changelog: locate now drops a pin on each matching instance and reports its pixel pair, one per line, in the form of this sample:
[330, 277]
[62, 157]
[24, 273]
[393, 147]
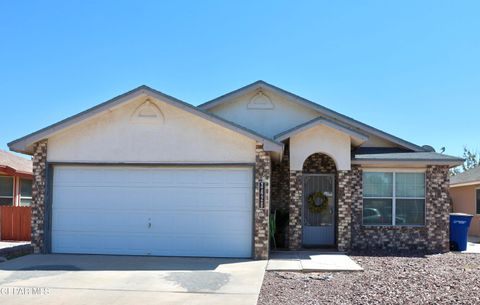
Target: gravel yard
[449, 278]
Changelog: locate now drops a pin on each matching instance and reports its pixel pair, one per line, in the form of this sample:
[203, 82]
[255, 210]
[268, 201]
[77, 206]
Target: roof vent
[260, 101]
[148, 113]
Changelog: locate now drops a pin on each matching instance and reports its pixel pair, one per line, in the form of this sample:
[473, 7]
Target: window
[25, 192]
[391, 198]
[6, 190]
[478, 200]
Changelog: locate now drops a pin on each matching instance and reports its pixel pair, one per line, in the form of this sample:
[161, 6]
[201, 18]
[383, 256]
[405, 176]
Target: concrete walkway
[120, 280]
[473, 245]
[9, 244]
[311, 261]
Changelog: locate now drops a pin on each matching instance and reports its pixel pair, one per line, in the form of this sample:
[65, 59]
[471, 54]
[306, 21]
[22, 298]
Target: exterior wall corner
[262, 203]
[349, 200]
[39, 186]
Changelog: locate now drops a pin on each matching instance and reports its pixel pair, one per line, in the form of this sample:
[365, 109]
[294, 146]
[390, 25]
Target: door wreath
[312, 202]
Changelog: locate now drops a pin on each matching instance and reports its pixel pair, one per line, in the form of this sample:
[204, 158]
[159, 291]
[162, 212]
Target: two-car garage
[148, 174]
[152, 210]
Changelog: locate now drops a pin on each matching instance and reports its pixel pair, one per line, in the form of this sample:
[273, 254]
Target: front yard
[449, 278]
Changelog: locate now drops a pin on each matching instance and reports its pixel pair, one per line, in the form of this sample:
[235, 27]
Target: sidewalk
[473, 245]
[311, 261]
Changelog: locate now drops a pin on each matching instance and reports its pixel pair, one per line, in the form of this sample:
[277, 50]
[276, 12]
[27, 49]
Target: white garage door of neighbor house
[171, 211]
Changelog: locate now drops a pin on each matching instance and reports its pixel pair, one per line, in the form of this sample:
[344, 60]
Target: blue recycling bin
[459, 224]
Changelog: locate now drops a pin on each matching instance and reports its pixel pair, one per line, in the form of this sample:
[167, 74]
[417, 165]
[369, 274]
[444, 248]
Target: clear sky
[411, 68]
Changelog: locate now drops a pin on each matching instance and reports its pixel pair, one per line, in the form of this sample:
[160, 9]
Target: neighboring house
[465, 194]
[147, 174]
[15, 180]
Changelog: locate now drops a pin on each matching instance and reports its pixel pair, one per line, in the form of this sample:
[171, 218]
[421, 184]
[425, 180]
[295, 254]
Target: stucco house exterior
[147, 174]
[465, 194]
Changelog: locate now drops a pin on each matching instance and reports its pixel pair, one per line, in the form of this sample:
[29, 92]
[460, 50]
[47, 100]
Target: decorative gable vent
[148, 113]
[260, 101]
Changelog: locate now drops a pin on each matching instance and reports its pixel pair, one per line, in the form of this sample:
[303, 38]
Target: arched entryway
[319, 185]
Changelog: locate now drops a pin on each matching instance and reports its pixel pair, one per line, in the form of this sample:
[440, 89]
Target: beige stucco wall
[320, 139]
[269, 122]
[463, 198]
[180, 137]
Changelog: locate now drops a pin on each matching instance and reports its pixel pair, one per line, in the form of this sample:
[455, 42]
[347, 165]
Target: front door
[318, 210]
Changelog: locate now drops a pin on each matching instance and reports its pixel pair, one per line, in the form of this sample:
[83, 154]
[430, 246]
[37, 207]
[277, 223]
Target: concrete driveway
[114, 280]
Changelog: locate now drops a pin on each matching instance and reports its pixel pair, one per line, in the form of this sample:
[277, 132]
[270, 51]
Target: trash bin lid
[460, 214]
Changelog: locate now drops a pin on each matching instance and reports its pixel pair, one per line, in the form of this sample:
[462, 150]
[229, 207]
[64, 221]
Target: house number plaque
[261, 194]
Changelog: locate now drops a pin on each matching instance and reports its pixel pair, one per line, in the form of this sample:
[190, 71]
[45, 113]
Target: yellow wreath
[312, 205]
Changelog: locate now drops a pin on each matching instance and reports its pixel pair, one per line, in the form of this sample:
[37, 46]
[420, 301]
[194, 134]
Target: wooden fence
[15, 223]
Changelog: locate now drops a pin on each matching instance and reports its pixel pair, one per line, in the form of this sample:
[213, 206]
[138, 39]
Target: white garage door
[168, 211]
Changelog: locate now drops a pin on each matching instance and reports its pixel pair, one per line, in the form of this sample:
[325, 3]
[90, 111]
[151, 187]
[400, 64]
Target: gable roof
[471, 176]
[23, 144]
[333, 115]
[15, 164]
[357, 136]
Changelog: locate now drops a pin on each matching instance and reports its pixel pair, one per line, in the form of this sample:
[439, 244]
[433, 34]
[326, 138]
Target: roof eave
[23, 145]
[416, 162]
[465, 183]
[230, 95]
[359, 137]
[14, 172]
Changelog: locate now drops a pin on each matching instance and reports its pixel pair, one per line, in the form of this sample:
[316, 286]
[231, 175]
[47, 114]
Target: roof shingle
[19, 164]
[472, 175]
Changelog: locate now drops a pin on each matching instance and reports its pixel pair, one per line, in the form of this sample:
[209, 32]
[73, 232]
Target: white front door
[138, 210]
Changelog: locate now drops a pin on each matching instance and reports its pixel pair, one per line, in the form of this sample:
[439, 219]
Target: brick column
[38, 195]
[262, 213]
[437, 218]
[349, 195]
[295, 211]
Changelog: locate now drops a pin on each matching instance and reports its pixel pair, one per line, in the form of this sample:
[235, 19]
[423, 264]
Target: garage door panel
[167, 222]
[135, 198]
[157, 211]
[168, 177]
[133, 244]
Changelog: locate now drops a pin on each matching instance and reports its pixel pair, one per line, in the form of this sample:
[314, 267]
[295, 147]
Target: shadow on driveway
[84, 262]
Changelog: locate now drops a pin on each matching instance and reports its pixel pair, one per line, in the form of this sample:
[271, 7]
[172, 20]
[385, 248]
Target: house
[15, 180]
[147, 174]
[465, 195]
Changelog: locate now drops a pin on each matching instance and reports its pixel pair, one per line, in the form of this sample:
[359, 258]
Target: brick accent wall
[349, 194]
[295, 211]
[281, 181]
[38, 196]
[433, 237]
[262, 213]
[319, 164]
[438, 208]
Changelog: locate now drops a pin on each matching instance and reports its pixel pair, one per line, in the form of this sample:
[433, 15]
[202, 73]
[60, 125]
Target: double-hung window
[6, 190]
[394, 198]
[25, 192]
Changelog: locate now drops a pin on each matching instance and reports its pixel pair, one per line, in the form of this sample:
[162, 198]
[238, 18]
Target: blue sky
[411, 68]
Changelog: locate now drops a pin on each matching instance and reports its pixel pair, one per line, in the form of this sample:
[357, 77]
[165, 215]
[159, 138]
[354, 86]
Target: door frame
[335, 208]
